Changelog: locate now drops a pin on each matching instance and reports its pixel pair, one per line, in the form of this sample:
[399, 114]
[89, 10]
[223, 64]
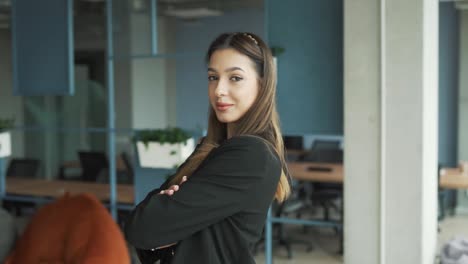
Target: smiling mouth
[223, 107]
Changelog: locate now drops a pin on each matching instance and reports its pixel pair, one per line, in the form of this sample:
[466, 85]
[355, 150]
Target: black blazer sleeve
[220, 187]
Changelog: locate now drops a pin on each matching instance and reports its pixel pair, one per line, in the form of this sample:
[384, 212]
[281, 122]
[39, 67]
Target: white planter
[5, 144]
[166, 155]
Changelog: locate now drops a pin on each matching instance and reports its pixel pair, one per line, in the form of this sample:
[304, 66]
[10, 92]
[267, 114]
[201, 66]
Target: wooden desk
[56, 188]
[453, 178]
[300, 171]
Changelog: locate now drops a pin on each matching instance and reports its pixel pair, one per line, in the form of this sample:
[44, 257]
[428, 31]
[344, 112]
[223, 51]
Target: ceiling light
[193, 13]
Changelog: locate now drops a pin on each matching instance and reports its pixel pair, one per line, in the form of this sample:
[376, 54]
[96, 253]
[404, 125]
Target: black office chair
[326, 151]
[92, 164]
[291, 206]
[21, 168]
[293, 143]
[128, 168]
[124, 176]
[443, 194]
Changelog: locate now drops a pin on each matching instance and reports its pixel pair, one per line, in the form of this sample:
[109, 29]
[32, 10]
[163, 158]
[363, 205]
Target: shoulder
[245, 141]
[250, 146]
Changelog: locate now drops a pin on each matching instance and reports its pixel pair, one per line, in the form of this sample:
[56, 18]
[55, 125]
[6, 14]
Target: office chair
[21, 168]
[293, 143]
[326, 151]
[124, 171]
[443, 194]
[92, 164]
[127, 175]
[291, 206]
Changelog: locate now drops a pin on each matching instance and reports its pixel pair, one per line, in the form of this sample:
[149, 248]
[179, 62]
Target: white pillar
[153, 93]
[463, 88]
[462, 202]
[391, 67]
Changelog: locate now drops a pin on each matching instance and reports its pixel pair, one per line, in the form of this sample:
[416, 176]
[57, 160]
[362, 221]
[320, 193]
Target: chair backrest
[325, 144]
[293, 142]
[92, 163]
[328, 151]
[22, 167]
[128, 166]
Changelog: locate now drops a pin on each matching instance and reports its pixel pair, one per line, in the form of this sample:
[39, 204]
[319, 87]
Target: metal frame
[2, 178]
[285, 220]
[111, 110]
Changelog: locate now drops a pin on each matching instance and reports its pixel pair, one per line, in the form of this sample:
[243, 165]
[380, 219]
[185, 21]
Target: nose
[221, 89]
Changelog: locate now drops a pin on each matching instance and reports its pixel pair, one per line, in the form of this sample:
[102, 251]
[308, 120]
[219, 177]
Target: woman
[219, 211]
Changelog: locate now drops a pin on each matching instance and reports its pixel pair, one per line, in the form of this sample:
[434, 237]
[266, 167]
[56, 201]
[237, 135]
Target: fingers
[171, 190]
[168, 192]
[184, 179]
[174, 188]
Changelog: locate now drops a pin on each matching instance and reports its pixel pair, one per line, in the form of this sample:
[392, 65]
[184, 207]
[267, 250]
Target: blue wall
[42, 47]
[448, 83]
[310, 71]
[191, 80]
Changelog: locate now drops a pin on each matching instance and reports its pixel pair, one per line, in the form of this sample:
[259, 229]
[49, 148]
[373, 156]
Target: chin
[225, 119]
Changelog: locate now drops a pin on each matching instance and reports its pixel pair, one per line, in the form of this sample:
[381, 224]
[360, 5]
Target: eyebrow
[227, 70]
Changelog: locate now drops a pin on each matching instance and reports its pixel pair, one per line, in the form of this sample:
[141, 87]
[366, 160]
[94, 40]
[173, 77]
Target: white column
[463, 88]
[152, 92]
[391, 65]
[462, 202]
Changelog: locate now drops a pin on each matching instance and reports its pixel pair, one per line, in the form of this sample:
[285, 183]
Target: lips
[223, 106]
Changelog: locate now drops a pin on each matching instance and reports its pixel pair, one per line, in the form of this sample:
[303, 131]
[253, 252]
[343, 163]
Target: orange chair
[74, 229]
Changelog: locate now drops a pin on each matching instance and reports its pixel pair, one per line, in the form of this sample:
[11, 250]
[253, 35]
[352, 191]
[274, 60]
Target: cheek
[250, 96]
[211, 94]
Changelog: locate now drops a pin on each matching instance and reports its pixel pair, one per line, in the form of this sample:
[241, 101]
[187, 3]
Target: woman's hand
[174, 188]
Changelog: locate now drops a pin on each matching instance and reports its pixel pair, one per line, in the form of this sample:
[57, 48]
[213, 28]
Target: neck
[230, 130]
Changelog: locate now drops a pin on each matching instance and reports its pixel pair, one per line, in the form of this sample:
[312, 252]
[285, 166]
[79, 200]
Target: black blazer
[218, 214]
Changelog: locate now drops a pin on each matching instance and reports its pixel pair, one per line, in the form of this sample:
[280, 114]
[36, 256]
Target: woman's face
[232, 84]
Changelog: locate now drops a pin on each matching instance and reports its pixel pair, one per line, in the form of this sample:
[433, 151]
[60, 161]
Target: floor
[326, 242]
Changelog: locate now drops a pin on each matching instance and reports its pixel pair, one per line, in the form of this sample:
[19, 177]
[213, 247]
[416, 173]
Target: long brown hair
[261, 119]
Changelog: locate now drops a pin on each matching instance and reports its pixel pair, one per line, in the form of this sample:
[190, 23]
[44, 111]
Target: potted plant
[276, 51]
[5, 137]
[163, 148]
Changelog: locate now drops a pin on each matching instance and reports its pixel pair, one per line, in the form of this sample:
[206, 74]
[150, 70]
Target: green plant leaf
[277, 50]
[162, 136]
[6, 124]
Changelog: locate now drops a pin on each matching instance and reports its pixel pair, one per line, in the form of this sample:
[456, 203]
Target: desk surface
[56, 188]
[300, 171]
[453, 178]
[125, 192]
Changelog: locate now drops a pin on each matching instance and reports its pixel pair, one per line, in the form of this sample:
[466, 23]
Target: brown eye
[236, 78]
[212, 78]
